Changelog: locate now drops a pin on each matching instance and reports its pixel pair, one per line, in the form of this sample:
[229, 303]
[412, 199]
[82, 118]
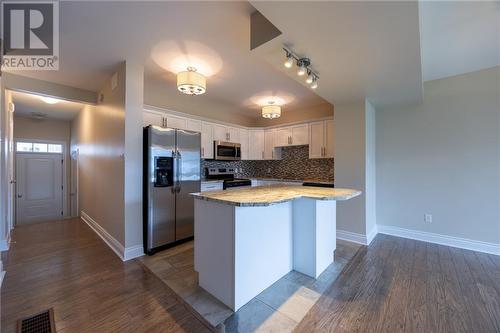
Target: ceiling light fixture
[271, 111]
[191, 82]
[304, 67]
[49, 100]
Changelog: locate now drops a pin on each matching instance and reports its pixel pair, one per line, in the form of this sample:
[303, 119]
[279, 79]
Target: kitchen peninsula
[247, 239]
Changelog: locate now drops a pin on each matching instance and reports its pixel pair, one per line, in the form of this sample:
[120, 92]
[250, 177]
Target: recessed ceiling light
[49, 100]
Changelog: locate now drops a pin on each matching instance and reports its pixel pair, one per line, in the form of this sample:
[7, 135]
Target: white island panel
[263, 248]
[214, 249]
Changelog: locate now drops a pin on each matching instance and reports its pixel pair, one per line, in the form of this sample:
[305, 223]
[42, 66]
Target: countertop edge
[276, 202]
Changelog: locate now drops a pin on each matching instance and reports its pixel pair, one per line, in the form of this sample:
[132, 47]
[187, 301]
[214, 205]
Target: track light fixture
[304, 67]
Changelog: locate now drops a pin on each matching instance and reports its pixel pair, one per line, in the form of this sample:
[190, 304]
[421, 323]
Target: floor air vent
[42, 322]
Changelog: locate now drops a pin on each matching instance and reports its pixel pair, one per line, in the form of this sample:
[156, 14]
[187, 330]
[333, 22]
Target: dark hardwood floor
[395, 285]
[401, 285]
[64, 265]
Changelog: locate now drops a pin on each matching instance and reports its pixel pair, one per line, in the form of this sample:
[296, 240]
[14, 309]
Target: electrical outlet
[428, 218]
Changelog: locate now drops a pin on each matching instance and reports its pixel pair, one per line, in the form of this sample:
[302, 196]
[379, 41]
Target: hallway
[65, 265]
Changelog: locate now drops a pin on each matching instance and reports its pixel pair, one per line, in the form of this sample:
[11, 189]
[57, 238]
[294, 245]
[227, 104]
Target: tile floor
[279, 308]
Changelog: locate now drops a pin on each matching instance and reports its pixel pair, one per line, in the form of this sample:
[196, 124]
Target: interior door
[188, 148]
[39, 187]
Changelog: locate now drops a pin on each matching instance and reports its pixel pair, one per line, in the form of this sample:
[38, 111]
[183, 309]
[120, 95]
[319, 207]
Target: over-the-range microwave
[227, 151]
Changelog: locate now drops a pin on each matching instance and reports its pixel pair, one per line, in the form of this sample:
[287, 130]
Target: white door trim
[64, 167]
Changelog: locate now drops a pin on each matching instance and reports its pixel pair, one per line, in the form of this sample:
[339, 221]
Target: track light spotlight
[310, 77]
[289, 60]
[314, 85]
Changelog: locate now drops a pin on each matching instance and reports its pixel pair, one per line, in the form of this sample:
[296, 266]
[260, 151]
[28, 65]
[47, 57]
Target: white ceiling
[28, 105]
[459, 37]
[360, 49]
[215, 36]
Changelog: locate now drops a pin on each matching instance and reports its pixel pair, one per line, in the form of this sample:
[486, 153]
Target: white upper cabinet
[283, 136]
[226, 133]
[207, 141]
[243, 136]
[176, 122]
[234, 134]
[221, 133]
[256, 144]
[321, 139]
[300, 135]
[152, 118]
[193, 125]
[292, 136]
[270, 153]
[329, 146]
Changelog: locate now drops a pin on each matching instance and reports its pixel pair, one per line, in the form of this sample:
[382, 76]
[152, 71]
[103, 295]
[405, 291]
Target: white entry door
[39, 187]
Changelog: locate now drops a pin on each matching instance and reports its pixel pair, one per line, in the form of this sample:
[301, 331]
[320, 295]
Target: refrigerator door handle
[179, 170]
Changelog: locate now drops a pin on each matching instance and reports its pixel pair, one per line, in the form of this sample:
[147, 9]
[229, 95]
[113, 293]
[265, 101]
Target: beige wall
[442, 157]
[22, 83]
[98, 132]
[349, 158]
[134, 101]
[353, 167]
[46, 129]
[50, 130]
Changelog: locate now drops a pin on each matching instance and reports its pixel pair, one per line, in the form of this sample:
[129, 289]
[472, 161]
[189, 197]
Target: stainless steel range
[228, 176]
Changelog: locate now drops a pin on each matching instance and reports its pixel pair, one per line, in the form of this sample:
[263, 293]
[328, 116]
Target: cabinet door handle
[202, 151]
[272, 154]
[291, 140]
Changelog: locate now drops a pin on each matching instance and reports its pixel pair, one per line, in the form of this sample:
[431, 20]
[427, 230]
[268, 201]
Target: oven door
[227, 151]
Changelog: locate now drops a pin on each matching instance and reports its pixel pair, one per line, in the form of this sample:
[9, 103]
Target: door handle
[19, 195]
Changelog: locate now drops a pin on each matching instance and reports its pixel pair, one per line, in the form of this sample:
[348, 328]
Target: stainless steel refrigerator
[171, 172]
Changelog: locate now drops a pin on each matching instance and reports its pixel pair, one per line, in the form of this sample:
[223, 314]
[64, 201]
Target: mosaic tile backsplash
[295, 164]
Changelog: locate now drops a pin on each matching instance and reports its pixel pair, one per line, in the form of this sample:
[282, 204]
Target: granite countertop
[275, 194]
[308, 180]
[204, 180]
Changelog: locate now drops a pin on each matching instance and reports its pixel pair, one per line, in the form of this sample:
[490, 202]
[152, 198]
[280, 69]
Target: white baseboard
[462, 243]
[352, 237]
[133, 252]
[5, 243]
[122, 252]
[371, 235]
